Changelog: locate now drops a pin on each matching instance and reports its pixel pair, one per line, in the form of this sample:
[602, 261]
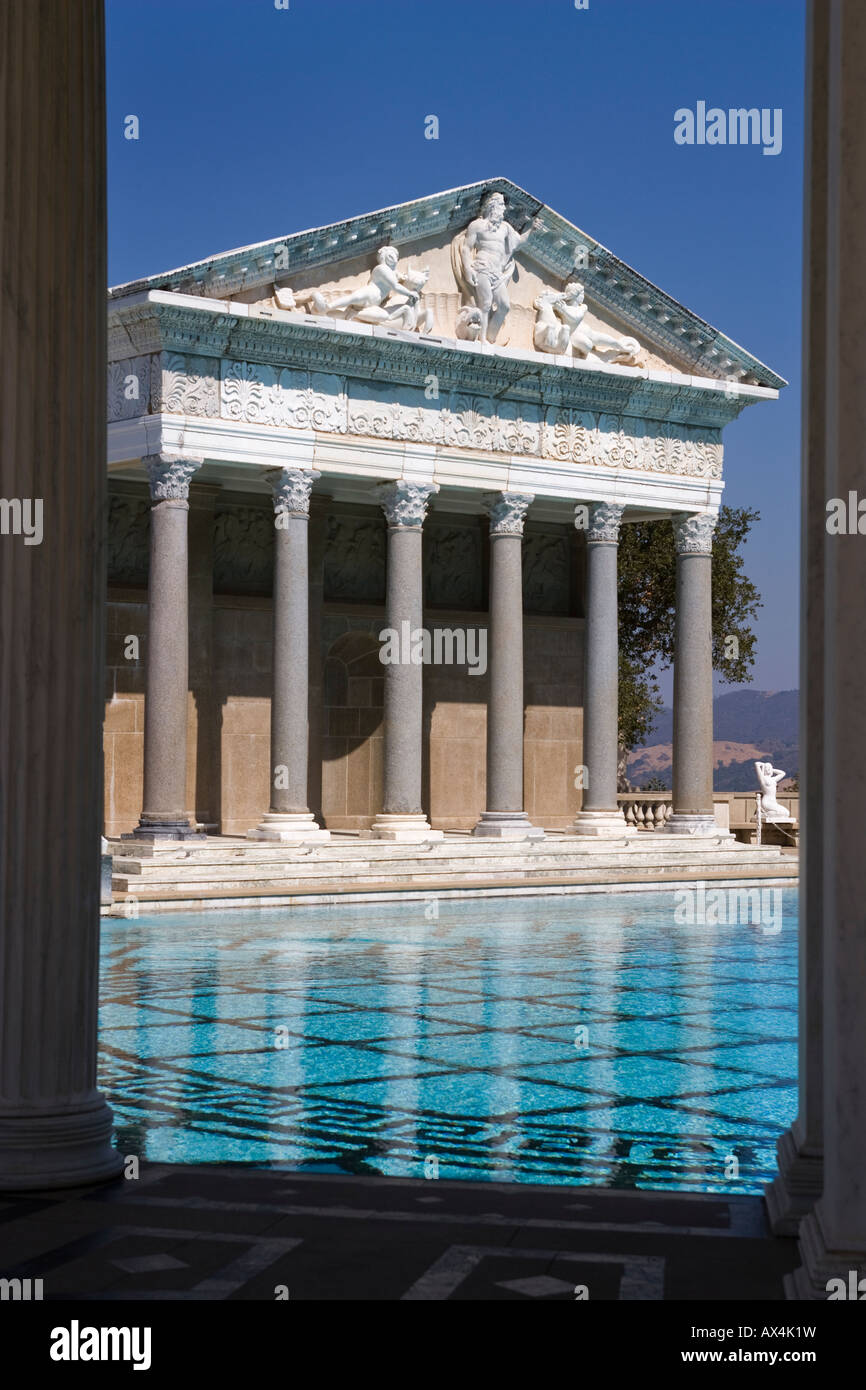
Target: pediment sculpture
[482, 258]
[388, 297]
[560, 328]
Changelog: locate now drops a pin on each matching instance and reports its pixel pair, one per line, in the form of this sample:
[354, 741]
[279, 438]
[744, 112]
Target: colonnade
[402, 817]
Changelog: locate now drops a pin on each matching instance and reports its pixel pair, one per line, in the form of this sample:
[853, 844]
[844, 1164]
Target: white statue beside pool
[769, 778]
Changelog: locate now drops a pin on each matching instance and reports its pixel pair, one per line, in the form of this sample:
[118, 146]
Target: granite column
[402, 817]
[165, 713]
[289, 820]
[504, 817]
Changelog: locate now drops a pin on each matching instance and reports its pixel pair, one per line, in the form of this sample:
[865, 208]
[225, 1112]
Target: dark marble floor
[220, 1232]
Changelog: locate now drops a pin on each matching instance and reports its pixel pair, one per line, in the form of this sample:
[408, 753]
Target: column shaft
[798, 1185]
[600, 814]
[289, 819]
[402, 816]
[163, 816]
[833, 1234]
[55, 1127]
[504, 816]
[693, 680]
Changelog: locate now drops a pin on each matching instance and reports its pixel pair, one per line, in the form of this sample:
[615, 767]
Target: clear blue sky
[257, 122]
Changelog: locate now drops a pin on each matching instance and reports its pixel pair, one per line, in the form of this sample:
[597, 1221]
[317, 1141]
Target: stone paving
[223, 1232]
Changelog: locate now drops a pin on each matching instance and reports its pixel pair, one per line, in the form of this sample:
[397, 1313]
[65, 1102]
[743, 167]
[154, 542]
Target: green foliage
[647, 610]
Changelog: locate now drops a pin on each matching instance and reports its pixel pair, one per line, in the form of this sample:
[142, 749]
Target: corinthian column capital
[693, 534]
[292, 488]
[507, 511]
[405, 503]
[600, 521]
[169, 476]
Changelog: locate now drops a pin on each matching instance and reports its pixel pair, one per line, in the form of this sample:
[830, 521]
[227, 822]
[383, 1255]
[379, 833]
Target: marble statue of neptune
[484, 263]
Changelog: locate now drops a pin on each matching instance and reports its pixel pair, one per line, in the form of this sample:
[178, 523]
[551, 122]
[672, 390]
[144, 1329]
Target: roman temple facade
[366, 489]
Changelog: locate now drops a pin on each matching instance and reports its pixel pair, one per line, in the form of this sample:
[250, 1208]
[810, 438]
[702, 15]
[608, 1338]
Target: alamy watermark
[22, 516]
[736, 126]
[758, 907]
[444, 646]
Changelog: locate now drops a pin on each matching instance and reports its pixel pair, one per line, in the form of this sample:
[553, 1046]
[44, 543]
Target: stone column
[833, 1234]
[800, 1149]
[55, 1127]
[289, 820]
[505, 818]
[693, 680]
[600, 814]
[165, 712]
[402, 818]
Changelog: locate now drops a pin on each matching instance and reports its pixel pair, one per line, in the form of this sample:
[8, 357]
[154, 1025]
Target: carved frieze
[393, 412]
[186, 385]
[289, 398]
[128, 540]
[128, 388]
[355, 559]
[260, 395]
[453, 566]
[243, 551]
[546, 573]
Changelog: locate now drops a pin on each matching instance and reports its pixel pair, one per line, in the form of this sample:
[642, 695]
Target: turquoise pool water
[384, 1039]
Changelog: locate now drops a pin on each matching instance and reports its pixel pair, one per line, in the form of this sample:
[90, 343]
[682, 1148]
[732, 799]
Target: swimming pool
[598, 1039]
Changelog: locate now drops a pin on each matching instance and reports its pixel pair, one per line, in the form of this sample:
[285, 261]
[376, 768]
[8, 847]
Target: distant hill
[747, 725]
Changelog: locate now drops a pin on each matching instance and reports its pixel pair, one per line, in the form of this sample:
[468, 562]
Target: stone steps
[129, 877]
[246, 874]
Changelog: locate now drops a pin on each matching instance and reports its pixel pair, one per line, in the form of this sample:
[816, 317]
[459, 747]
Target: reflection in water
[589, 1039]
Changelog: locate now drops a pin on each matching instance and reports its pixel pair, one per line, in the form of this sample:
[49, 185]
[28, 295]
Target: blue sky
[256, 122]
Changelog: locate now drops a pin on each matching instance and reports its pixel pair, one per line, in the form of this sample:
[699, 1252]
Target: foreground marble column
[600, 814]
[289, 820]
[55, 1127]
[833, 1234]
[693, 680]
[505, 818]
[165, 713]
[800, 1150]
[401, 817]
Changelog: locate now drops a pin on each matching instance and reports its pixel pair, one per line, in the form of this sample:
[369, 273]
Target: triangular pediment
[339, 273]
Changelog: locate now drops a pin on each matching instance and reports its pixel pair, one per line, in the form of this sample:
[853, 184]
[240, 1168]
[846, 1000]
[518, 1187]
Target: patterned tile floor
[446, 1039]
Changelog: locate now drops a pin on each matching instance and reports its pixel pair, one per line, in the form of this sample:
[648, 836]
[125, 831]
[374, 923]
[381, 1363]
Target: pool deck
[225, 1232]
[230, 871]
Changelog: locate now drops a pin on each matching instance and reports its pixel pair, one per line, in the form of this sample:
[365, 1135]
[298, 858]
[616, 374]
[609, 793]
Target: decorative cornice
[402, 359]
[169, 476]
[405, 503]
[602, 525]
[292, 488]
[507, 511]
[693, 535]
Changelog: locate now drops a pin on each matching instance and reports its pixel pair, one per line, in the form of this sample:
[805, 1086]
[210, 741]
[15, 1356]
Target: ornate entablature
[474, 323]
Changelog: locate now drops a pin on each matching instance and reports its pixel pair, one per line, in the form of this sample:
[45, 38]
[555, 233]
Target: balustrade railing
[646, 810]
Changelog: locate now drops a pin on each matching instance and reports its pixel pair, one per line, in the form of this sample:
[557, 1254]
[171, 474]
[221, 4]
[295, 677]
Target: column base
[699, 824]
[407, 828]
[153, 830]
[603, 825]
[794, 1191]
[507, 825]
[821, 1263]
[58, 1148]
[290, 828]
